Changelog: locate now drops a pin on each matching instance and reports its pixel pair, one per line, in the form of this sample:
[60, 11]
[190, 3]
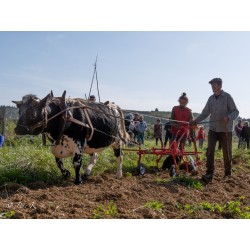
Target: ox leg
[91, 164]
[119, 158]
[64, 171]
[77, 162]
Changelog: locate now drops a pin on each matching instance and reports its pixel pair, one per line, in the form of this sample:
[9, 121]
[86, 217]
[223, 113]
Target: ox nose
[21, 130]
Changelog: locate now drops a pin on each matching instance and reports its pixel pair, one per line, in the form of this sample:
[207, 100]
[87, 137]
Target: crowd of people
[136, 126]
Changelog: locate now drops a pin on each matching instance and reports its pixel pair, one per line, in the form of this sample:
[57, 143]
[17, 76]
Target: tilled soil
[104, 196]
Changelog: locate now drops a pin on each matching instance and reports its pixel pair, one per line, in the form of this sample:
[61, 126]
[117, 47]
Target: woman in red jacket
[201, 137]
[183, 114]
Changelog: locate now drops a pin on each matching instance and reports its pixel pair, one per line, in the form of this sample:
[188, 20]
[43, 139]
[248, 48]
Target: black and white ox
[74, 126]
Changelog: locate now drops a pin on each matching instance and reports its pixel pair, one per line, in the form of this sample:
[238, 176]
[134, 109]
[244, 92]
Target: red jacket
[180, 114]
[201, 135]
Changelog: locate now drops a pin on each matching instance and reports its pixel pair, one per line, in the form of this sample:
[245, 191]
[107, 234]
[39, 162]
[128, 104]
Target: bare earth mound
[153, 196]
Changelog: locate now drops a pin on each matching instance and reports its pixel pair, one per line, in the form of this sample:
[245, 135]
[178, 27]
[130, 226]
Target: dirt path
[106, 197]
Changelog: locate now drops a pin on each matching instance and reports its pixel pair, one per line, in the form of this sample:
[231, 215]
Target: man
[92, 98]
[238, 128]
[223, 111]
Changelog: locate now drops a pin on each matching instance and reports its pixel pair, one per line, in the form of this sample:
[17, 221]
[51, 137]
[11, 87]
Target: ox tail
[124, 136]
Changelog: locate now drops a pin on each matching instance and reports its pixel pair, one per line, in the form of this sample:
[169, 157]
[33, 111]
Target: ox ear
[18, 103]
[45, 101]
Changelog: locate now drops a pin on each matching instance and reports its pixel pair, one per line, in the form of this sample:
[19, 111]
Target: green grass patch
[231, 209]
[107, 211]
[189, 182]
[154, 205]
[7, 215]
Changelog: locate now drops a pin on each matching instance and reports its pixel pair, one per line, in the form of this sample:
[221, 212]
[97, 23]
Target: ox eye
[33, 115]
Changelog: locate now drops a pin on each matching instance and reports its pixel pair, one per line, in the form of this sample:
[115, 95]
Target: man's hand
[193, 122]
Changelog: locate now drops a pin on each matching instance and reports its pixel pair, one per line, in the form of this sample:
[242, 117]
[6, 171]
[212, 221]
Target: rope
[167, 119]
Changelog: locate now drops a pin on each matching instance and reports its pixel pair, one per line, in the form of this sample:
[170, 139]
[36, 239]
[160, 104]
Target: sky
[136, 70]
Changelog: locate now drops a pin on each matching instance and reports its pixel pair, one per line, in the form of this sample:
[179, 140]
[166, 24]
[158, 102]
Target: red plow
[178, 157]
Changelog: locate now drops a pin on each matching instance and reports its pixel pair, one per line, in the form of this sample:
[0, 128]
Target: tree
[156, 110]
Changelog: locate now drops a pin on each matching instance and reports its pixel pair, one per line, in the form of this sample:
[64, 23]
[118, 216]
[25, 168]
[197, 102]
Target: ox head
[31, 113]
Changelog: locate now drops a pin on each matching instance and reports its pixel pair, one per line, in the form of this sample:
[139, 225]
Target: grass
[231, 209]
[27, 163]
[154, 205]
[106, 211]
[189, 182]
[25, 160]
[7, 215]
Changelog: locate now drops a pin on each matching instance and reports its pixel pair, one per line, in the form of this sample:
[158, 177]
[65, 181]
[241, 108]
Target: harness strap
[90, 124]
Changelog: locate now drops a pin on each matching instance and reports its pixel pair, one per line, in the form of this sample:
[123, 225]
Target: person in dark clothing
[1, 140]
[158, 132]
[245, 133]
[223, 111]
[238, 128]
[168, 134]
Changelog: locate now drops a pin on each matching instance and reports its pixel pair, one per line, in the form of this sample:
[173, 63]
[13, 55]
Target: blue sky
[136, 70]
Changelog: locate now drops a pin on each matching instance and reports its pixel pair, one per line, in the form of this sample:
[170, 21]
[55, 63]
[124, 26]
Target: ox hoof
[78, 182]
[66, 174]
[85, 176]
[119, 177]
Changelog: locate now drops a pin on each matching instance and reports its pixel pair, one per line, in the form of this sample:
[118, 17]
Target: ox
[74, 126]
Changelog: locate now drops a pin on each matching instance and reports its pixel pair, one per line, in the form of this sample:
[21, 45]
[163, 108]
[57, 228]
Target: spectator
[245, 133]
[158, 132]
[168, 134]
[135, 121]
[201, 137]
[238, 128]
[183, 114]
[141, 127]
[1, 140]
[92, 98]
[222, 110]
[128, 121]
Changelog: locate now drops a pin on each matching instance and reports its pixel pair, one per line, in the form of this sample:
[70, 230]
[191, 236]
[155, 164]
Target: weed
[7, 215]
[218, 208]
[207, 206]
[154, 205]
[162, 181]
[189, 182]
[105, 212]
[128, 174]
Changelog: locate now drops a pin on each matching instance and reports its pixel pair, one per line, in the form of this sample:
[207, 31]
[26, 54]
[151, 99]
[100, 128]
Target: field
[31, 186]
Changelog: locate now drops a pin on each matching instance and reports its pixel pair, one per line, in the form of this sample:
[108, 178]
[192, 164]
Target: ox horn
[63, 95]
[17, 102]
[52, 94]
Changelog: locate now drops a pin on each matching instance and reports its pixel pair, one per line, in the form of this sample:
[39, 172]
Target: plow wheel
[141, 169]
